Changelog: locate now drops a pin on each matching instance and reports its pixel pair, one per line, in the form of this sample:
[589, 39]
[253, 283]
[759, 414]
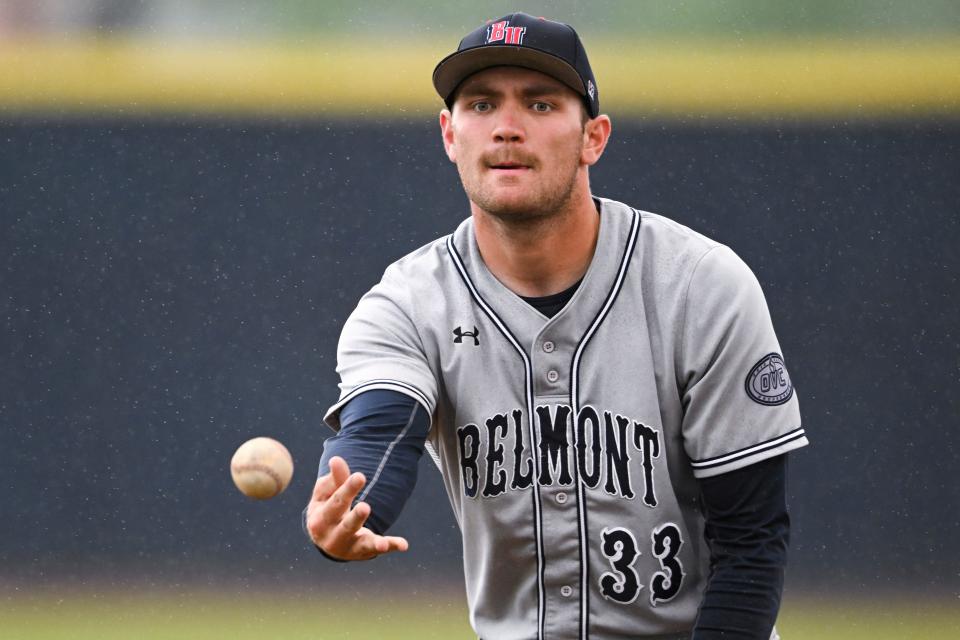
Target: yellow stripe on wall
[339, 77]
[821, 78]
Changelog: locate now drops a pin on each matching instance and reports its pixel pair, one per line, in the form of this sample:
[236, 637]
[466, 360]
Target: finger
[338, 503]
[355, 518]
[367, 545]
[339, 469]
[323, 489]
[396, 543]
[380, 545]
[329, 482]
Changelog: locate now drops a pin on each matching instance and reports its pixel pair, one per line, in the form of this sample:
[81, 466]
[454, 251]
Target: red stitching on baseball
[260, 467]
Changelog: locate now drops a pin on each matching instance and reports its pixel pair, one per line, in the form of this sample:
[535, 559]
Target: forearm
[382, 435]
[740, 603]
[747, 530]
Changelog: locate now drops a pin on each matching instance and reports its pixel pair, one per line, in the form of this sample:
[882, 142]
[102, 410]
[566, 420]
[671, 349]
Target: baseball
[261, 468]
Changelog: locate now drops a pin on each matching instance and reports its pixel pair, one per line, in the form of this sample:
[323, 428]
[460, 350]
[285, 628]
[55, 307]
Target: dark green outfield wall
[170, 289]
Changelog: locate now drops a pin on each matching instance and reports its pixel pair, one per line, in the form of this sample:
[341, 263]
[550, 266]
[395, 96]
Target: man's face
[517, 138]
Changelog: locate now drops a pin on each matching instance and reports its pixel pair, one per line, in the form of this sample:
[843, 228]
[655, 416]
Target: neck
[543, 256]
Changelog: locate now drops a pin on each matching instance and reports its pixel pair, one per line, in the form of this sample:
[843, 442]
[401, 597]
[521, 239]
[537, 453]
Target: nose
[508, 126]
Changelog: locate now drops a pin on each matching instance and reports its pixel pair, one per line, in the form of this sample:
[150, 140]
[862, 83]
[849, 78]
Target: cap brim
[456, 67]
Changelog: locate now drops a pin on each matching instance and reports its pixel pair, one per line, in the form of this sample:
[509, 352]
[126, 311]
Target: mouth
[509, 166]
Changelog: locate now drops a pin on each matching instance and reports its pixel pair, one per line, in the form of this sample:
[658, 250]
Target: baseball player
[600, 387]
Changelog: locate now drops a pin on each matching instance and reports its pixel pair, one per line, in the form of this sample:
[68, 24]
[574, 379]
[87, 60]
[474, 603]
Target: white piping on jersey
[575, 406]
[535, 443]
[733, 456]
[386, 454]
[387, 383]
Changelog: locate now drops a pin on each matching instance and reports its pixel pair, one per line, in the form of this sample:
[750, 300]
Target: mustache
[513, 157]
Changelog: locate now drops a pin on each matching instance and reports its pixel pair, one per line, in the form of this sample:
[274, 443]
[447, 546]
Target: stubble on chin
[535, 206]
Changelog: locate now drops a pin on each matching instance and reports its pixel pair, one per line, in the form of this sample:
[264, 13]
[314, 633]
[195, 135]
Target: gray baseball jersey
[570, 446]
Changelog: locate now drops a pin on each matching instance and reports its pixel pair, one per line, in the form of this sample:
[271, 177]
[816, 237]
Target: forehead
[513, 79]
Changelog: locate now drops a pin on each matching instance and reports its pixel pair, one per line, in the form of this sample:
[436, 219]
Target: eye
[481, 107]
[542, 107]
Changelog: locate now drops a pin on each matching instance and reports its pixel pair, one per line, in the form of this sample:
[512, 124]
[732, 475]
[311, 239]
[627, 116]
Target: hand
[338, 529]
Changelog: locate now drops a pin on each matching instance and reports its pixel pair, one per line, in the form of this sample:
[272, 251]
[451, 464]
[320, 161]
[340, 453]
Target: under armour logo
[460, 333]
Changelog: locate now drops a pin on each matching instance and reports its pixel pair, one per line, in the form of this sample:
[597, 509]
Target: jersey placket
[550, 350]
[559, 505]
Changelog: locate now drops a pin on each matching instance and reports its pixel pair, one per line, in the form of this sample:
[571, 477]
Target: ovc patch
[768, 382]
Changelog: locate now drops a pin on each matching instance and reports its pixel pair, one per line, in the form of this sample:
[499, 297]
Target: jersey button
[548, 347]
[561, 498]
[566, 591]
[552, 376]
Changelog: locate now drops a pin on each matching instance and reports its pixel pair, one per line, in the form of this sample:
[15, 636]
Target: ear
[446, 130]
[596, 133]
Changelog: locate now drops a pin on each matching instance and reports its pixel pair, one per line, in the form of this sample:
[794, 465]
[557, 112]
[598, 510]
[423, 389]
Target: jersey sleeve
[739, 404]
[380, 348]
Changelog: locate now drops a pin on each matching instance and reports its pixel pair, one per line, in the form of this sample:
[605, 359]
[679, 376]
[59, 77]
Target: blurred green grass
[836, 616]
[206, 614]
[189, 614]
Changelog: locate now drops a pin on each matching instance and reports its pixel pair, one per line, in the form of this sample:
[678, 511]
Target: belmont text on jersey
[596, 446]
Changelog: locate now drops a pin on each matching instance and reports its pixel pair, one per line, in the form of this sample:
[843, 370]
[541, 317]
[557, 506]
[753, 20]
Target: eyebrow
[486, 89]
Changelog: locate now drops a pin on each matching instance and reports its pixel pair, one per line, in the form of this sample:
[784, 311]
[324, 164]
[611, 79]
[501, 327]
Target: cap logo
[502, 32]
[592, 90]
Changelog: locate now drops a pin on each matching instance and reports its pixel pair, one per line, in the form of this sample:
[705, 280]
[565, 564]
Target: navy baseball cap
[521, 40]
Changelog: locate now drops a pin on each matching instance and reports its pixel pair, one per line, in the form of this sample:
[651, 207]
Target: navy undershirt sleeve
[747, 529]
[382, 434]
